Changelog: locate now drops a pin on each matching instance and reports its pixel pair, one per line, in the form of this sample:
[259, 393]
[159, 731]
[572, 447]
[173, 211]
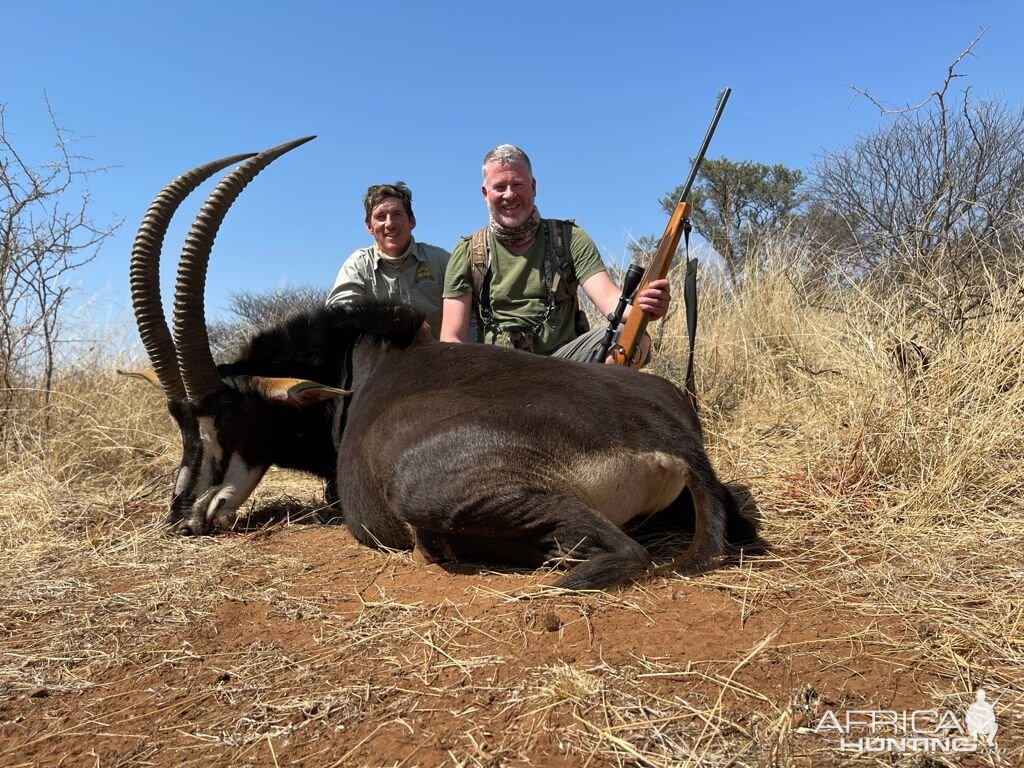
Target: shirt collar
[412, 250]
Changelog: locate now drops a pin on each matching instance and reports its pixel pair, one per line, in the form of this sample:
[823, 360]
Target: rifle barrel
[722, 98]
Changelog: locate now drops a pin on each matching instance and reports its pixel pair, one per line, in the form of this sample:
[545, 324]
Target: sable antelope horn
[195, 359]
[145, 273]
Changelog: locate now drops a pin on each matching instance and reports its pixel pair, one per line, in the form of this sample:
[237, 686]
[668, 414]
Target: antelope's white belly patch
[622, 485]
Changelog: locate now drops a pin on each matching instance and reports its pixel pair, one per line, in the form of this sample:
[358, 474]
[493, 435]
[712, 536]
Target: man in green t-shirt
[520, 304]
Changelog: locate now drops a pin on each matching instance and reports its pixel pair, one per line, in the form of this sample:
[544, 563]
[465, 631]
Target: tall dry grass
[84, 487]
[101, 438]
[889, 469]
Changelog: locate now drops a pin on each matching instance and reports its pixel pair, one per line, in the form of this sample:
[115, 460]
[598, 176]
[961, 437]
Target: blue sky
[610, 99]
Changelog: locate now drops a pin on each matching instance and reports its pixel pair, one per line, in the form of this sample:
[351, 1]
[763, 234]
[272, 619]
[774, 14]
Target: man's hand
[655, 298]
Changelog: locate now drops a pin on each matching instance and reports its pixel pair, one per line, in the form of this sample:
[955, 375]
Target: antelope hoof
[187, 526]
[429, 548]
[224, 520]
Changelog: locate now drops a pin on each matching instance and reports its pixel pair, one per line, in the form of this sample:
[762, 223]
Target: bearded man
[519, 276]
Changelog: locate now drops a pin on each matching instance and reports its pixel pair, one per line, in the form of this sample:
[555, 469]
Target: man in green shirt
[395, 267]
[524, 301]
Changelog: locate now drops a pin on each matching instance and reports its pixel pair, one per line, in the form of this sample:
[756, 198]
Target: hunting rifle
[626, 350]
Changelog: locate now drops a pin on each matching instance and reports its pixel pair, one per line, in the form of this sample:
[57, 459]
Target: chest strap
[558, 270]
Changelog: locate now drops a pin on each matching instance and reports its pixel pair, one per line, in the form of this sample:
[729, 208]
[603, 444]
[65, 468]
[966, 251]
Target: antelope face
[216, 475]
[240, 431]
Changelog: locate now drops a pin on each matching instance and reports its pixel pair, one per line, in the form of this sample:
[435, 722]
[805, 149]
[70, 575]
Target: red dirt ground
[359, 658]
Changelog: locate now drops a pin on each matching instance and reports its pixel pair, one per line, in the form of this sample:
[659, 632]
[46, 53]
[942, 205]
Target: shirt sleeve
[350, 285]
[438, 259]
[457, 280]
[585, 256]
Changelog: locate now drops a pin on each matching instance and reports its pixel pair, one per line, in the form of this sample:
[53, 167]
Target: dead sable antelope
[459, 451]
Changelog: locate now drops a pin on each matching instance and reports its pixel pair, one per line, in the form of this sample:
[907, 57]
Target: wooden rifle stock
[636, 324]
[627, 351]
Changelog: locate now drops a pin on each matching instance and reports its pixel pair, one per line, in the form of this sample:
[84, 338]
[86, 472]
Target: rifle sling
[690, 299]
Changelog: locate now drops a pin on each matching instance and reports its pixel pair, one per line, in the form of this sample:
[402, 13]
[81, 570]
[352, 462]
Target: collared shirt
[365, 275]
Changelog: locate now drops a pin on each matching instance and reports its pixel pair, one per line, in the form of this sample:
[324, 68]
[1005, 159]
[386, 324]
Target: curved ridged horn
[145, 273]
[195, 359]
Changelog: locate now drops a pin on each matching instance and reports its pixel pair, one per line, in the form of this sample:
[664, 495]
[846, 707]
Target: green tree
[736, 204]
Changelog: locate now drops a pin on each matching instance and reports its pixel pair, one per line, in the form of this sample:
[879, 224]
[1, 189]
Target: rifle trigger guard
[618, 354]
[637, 358]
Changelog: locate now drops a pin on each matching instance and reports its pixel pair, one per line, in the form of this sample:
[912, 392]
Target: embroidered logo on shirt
[423, 272]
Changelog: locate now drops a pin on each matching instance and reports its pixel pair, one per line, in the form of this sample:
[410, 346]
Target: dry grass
[890, 496]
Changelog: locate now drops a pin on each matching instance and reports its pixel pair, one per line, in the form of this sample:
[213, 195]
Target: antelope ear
[298, 392]
[148, 375]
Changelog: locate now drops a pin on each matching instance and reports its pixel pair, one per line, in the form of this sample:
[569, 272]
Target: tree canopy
[737, 203]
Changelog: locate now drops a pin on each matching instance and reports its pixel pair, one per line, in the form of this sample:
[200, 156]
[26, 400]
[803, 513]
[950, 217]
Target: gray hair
[505, 154]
